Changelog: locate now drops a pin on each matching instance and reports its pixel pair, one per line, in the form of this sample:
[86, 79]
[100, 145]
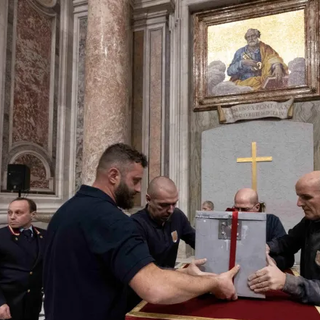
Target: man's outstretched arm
[169, 287]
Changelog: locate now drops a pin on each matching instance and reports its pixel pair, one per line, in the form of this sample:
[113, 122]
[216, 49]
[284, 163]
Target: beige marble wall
[137, 89]
[199, 121]
[79, 83]
[137, 95]
[155, 115]
[309, 112]
[107, 110]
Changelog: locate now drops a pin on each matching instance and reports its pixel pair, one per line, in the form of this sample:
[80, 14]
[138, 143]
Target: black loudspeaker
[18, 177]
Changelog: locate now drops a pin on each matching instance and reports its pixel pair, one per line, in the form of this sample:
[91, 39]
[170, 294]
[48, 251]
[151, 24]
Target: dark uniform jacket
[21, 272]
[305, 236]
[163, 240]
[276, 230]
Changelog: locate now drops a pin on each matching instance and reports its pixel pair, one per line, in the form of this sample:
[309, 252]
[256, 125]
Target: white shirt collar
[30, 228]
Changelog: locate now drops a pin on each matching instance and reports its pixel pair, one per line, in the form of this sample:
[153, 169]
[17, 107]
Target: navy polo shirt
[163, 240]
[93, 251]
[275, 228]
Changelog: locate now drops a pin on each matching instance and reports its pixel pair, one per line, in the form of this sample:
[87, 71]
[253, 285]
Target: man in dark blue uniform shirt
[246, 200]
[21, 251]
[161, 224]
[94, 250]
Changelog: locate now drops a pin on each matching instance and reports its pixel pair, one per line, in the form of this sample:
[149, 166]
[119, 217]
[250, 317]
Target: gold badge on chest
[174, 235]
[317, 258]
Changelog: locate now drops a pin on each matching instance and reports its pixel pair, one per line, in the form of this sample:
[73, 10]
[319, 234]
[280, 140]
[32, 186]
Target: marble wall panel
[38, 57]
[55, 88]
[30, 117]
[32, 76]
[166, 113]
[80, 103]
[155, 114]
[199, 121]
[308, 112]
[137, 95]
[38, 179]
[7, 90]
[137, 89]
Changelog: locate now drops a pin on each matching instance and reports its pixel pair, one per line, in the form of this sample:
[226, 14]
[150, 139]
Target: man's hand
[268, 278]
[267, 249]
[5, 312]
[225, 288]
[193, 268]
[250, 63]
[278, 72]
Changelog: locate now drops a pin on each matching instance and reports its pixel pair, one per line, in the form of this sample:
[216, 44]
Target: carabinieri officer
[21, 251]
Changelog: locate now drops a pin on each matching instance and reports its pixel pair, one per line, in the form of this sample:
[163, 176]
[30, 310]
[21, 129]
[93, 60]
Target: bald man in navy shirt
[246, 200]
[162, 224]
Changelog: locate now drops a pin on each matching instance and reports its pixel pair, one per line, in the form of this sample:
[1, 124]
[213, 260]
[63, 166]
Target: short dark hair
[32, 204]
[121, 154]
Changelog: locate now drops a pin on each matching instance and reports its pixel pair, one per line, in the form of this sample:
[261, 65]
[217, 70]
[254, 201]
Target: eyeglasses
[244, 209]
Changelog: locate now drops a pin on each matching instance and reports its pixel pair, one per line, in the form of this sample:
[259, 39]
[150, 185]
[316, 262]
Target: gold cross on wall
[254, 159]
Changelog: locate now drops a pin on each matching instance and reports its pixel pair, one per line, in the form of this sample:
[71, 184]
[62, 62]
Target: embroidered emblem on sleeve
[174, 235]
[317, 259]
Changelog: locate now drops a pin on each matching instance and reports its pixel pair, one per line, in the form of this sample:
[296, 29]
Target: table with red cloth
[276, 306]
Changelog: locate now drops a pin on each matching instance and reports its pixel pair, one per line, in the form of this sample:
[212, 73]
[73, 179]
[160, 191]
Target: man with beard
[305, 236]
[94, 251]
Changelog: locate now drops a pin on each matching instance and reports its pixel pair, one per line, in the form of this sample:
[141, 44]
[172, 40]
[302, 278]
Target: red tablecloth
[277, 306]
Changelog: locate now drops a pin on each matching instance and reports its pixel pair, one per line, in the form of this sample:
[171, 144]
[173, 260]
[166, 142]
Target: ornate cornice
[150, 6]
[47, 3]
[146, 11]
[46, 7]
[77, 3]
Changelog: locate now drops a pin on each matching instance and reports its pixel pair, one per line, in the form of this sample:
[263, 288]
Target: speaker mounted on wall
[18, 177]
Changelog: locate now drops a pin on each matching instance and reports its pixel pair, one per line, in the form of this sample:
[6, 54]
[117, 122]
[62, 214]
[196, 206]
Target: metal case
[213, 242]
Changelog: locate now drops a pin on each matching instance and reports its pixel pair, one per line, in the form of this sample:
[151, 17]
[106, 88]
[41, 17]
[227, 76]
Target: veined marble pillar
[107, 114]
[152, 27]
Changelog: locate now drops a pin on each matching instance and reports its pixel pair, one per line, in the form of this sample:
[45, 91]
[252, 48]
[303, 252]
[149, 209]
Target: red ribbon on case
[233, 241]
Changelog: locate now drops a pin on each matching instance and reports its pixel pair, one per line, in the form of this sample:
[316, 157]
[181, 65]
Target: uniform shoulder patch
[317, 258]
[174, 235]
